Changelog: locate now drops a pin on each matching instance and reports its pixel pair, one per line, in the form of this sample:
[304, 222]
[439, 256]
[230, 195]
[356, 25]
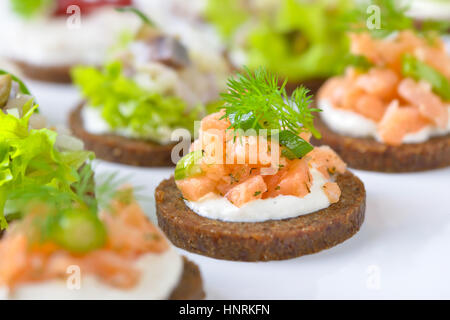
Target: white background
[401, 251]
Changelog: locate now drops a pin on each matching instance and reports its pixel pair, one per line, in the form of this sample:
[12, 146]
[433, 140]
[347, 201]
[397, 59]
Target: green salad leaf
[144, 18]
[126, 105]
[30, 8]
[298, 39]
[256, 101]
[29, 158]
[418, 70]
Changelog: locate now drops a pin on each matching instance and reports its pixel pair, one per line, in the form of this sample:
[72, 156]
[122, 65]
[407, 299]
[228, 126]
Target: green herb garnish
[23, 88]
[295, 147]
[256, 101]
[126, 105]
[356, 61]
[30, 8]
[29, 158]
[189, 165]
[418, 70]
[298, 39]
[67, 220]
[257, 193]
[145, 19]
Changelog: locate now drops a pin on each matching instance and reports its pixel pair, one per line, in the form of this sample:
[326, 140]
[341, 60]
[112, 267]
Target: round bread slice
[57, 74]
[369, 154]
[261, 241]
[190, 286]
[114, 148]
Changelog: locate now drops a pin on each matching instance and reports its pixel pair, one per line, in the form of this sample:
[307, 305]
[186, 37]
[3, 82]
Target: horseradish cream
[45, 41]
[160, 274]
[281, 207]
[94, 123]
[352, 124]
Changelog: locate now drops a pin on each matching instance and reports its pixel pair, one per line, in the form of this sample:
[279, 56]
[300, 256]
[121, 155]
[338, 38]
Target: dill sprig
[257, 101]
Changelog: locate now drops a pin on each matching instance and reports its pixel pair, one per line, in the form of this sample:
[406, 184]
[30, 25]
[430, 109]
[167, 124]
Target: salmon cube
[350, 97]
[362, 44]
[324, 156]
[419, 94]
[273, 183]
[332, 191]
[435, 57]
[399, 121]
[297, 180]
[213, 121]
[333, 90]
[379, 82]
[371, 107]
[195, 188]
[249, 190]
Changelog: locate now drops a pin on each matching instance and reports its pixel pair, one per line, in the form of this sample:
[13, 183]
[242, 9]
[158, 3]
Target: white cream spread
[160, 274]
[50, 42]
[94, 123]
[281, 207]
[428, 9]
[352, 124]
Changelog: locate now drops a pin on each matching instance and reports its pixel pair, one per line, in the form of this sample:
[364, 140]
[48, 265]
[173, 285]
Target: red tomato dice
[87, 6]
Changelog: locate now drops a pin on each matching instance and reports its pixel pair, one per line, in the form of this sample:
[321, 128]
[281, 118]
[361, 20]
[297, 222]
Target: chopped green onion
[357, 61]
[295, 146]
[23, 88]
[418, 70]
[189, 165]
[79, 231]
[145, 19]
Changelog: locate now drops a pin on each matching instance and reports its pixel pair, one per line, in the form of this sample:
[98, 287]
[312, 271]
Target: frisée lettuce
[126, 105]
[29, 158]
[297, 39]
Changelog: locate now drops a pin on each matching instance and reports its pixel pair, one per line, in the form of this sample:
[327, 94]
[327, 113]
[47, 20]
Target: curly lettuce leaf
[125, 105]
[299, 40]
[29, 158]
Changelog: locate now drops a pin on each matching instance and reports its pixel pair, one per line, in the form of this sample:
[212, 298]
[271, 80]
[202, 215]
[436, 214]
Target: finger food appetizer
[298, 39]
[150, 88]
[390, 110]
[253, 188]
[63, 249]
[45, 38]
[30, 153]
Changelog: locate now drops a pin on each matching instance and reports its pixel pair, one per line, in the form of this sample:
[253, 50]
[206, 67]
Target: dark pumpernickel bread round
[261, 241]
[190, 286]
[57, 74]
[119, 149]
[369, 154]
